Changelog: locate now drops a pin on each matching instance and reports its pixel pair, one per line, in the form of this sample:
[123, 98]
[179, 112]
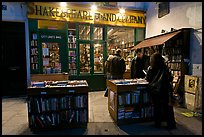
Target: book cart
[128, 101]
[58, 105]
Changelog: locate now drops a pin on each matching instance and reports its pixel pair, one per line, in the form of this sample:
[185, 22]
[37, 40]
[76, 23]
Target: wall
[128, 5]
[182, 15]
[132, 5]
[16, 11]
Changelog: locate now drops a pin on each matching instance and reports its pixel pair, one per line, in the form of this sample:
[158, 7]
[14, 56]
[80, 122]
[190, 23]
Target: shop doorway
[123, 38]
[13, 59]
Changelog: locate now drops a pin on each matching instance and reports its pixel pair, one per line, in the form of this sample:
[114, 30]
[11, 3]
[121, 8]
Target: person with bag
[160, 87]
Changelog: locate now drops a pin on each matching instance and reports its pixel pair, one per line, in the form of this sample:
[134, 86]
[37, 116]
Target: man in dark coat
[139, 65]
[117, 66]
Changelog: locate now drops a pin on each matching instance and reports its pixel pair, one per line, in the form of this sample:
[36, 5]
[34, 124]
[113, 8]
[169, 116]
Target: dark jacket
[161, 101]
[138, 65]
[107, 66]
[117, 66]
[151, 73]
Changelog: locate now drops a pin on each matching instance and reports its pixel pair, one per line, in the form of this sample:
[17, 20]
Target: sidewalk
[15, 122]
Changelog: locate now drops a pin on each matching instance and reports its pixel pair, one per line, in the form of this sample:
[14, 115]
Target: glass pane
[98, 58]
[84, 58]
[72, 49]
[98, 33]
[51, 60]
[84, 32]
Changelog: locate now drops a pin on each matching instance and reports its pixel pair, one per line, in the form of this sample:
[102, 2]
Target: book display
[177, 51]
[129, 101]
[72, 52]
[51, 58]
[175, 61]
[175, 47]
[34, 52]
[85, 58]
[57, 104]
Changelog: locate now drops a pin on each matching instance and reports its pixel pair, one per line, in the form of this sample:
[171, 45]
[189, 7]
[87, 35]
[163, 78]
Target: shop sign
[42, 10]
[50, 37]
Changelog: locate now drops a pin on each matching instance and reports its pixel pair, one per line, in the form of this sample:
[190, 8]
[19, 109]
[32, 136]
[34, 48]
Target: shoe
[105, 95]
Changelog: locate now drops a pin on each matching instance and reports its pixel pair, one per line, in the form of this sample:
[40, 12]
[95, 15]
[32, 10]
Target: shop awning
[157, 40]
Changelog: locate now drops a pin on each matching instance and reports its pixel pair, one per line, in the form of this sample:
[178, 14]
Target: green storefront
[77, 40]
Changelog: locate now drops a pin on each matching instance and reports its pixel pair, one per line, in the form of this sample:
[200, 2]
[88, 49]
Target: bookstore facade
[77, 40]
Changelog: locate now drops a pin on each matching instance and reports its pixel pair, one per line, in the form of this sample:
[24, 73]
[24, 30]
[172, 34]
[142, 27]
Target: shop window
[84, 32]
[118, 37]
[98, 58]
[51, 60]
[84, 58]
[72, 49]
[123, 38]
[163, 9]
[98, 33]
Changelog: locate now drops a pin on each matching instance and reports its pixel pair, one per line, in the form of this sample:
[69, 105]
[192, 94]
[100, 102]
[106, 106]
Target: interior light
[93, 7]
[122, 11]
[123, 42]
[63, 4]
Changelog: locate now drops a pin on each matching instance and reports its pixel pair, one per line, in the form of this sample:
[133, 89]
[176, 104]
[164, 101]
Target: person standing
[107, 66]
[117, 66]
[163, 109]
[139, 65]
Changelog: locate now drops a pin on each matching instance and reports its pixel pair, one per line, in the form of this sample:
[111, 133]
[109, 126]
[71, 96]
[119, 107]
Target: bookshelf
[72, 52]
[175, 46]
[175, 62]
[85, 61]
[129, 101]
[57, 105]
[34, 59]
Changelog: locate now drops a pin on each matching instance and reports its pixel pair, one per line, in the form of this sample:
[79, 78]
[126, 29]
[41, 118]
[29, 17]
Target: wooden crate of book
[129, 101]
[58, 104]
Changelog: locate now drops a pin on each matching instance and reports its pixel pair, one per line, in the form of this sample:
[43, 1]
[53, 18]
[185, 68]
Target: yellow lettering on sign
[40, 10]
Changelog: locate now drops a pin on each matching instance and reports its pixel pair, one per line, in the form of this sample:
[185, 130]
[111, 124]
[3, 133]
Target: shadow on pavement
[71, 131]
[149, 129]
[109, 128]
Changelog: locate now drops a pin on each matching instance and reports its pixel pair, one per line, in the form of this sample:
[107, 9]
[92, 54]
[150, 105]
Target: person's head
[119, 52]
[139, 53]
[157, 61]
